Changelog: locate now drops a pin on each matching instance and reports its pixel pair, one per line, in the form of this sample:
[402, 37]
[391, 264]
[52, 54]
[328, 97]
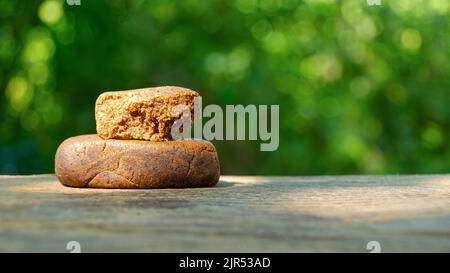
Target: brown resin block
[90, 161]
[141, 113]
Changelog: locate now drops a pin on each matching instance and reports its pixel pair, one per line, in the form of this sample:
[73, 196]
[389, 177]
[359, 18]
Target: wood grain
[241, 214]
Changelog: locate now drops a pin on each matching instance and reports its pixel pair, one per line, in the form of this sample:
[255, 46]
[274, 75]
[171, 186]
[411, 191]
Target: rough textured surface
[241, 214]
[89, 161]
[141, 113]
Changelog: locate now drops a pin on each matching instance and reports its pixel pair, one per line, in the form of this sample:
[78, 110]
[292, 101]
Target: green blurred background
[361, 89]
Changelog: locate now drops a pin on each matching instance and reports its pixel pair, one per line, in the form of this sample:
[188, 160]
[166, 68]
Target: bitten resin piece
[145, 114]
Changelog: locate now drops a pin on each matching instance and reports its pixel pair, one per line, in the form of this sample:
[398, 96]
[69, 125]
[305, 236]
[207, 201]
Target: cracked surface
[90, 161]
[141, 113]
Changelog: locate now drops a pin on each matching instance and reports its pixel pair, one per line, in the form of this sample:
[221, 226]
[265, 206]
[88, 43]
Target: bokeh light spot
[30, 120]
[270, 5]
[19, 93]
[238, 62]
[396, 93]
[373, 127]
[50, 12]
[246, 6]
[216, 63]
[366, 29]
[374, 161]
[276, 43]
[39, 48]
[440, 6]
[360, 86]
[432, 137]
[322, 66]
[411, 40]
[305, 31]
[261, 30]
[351, 146]
[38, 73]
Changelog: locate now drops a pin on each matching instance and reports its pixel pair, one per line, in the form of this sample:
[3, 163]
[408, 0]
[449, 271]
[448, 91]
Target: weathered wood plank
[273, 214]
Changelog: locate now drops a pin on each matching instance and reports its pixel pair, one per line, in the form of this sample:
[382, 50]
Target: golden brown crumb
[141, 113]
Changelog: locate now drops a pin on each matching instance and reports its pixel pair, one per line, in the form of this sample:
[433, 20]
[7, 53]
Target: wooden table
[240, 214]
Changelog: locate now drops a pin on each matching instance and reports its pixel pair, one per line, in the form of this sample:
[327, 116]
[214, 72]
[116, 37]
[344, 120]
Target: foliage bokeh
[361, 89]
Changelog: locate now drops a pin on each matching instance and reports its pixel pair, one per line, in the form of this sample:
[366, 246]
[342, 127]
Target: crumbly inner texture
[142, 113]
